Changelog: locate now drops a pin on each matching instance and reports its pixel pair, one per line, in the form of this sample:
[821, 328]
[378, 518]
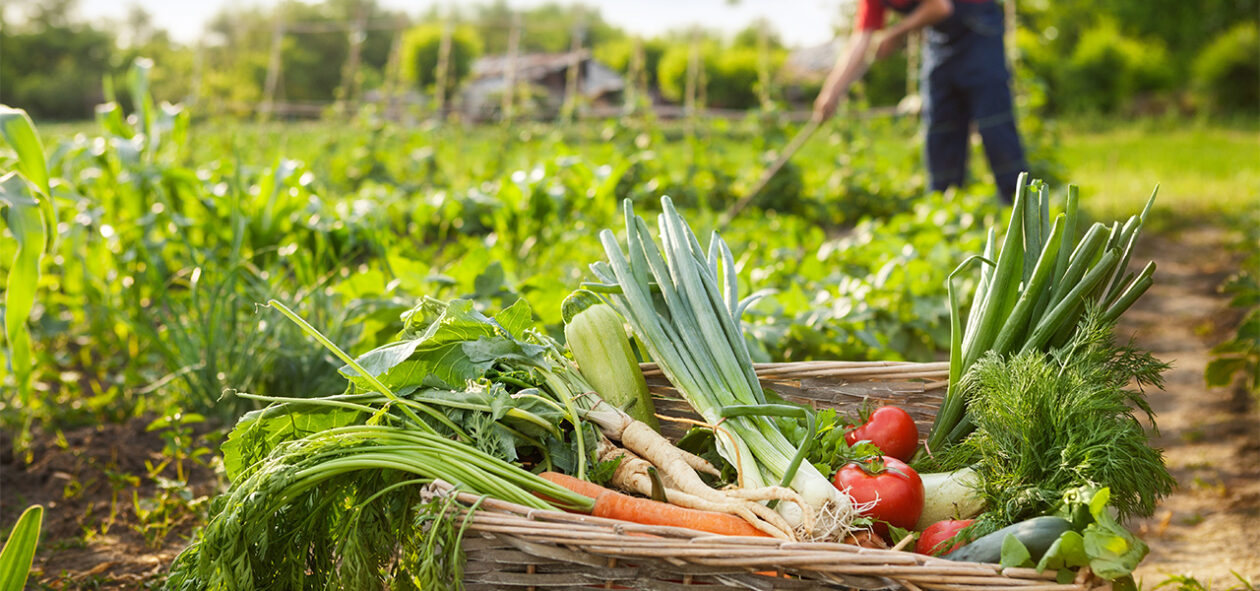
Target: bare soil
[108, 523]
[95, 538]
[1209, 528]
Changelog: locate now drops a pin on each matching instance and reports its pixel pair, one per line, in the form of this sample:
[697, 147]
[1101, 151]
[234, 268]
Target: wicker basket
[510, 546]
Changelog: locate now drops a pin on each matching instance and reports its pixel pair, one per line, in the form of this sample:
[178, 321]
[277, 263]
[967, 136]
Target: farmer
[965, 81]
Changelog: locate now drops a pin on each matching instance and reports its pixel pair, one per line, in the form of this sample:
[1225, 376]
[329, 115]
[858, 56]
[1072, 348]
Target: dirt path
[1209, 527]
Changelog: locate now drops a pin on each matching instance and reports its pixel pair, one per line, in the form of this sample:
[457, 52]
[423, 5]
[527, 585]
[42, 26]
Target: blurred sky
[798, 22]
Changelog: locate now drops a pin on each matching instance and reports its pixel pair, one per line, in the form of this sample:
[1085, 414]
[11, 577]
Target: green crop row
[169, 234]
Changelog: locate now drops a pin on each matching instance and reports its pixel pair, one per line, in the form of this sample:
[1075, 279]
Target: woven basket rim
[826, 562]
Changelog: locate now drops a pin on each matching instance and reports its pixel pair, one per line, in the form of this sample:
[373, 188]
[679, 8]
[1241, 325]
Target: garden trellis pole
[393, 72]
[198, 72]
[350, 75]
[443, 68]
[693, 76]
[636, 80]
[763, 68]
[273, 64]
[507, 107]
[569, 111]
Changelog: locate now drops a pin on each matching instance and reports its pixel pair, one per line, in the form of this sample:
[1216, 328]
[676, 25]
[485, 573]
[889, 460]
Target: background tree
[1101, 55]
[53, 65]
[420, 51]
[618, 54]
[1227, 71]
[548, 28]
[730, 72]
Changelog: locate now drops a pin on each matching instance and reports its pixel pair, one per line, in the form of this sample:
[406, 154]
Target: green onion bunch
[1033, 293]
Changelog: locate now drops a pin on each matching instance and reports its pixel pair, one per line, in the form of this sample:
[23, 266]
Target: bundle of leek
[684, 306]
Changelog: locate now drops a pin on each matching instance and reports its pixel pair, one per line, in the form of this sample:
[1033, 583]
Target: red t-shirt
[870, 13]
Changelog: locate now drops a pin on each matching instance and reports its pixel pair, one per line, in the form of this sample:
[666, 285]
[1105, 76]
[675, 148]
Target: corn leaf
[19, 132]
[19, 551]
[27, 225]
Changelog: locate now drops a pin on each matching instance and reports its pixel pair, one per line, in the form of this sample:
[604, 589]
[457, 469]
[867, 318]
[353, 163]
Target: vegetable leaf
[496, 432]
[516, 319]
[260, 431]
[1067, 552]
[460, 344]
[24, 220]
[1102, 543]
[1113, 551]
[1014, 553]
[897, 534]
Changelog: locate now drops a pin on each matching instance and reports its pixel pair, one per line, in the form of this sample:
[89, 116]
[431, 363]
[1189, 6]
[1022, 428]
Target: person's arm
[849, 68]
[928, 13]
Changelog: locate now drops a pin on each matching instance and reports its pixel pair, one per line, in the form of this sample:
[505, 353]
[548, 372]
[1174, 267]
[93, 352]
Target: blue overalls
[965, 79]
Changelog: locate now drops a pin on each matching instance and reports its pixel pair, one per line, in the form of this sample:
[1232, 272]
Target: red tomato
[895, 488]
[932, 540]
[891, 430]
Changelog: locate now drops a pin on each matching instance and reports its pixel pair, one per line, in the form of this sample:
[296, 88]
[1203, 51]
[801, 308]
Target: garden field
[168, 234]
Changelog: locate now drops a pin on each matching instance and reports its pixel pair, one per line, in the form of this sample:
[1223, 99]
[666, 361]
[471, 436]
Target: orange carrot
[615, 505]
[576, 485]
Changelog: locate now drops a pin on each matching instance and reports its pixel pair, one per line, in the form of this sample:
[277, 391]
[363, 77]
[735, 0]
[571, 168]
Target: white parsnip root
[631, 475]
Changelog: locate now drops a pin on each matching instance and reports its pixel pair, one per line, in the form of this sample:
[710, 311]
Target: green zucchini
[1037, 534]
[601, 347]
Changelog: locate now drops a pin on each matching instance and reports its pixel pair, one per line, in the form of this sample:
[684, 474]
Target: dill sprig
[1049, 422]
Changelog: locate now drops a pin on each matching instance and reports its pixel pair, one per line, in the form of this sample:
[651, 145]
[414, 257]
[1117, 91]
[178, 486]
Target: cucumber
[1037, 534]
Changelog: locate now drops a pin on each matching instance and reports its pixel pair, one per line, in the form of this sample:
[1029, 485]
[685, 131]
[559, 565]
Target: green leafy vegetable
[260, 431]
[458, 345]
[331, 485]
[1048, 423]
[340, 504]
[1096, 540]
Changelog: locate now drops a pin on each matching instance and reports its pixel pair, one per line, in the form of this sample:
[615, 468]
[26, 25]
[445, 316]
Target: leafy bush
[1227, 71]
[729, 77]
[54, 72]
[619, 54]
[885, 81]
[1036, 53]
[732, 84]
[671, 73]
[1240, 355]
[421, 47]
[1107, 68]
